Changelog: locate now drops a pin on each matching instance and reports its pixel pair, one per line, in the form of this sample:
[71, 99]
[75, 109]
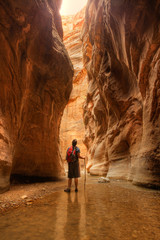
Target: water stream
[115, 210]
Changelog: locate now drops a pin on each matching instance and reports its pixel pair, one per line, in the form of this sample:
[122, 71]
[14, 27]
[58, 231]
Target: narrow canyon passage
[94, 76]
[111, 211]
[72, 123]
[115, 86]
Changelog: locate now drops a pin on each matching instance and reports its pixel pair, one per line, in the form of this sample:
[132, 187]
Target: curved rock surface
[121, 48]
[35, 85]
[72, 125]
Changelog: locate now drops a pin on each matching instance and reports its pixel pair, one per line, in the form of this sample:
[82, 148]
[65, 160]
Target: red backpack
[71, 154]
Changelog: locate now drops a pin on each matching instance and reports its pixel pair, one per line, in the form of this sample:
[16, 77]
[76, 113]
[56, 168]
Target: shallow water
[115, 210]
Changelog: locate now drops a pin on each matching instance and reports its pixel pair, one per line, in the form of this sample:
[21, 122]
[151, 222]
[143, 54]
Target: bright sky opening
[71, 7]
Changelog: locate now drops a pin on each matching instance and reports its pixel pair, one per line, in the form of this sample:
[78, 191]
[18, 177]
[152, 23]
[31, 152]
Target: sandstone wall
[35, 84]
[72, 125]
[121, 49]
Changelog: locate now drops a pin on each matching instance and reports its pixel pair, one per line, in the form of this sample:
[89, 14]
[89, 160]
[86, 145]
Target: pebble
[24, 197]
[28, 203]
[134, 234]
[103, 180]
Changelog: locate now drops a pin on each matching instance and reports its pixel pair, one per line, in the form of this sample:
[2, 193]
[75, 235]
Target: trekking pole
[84, 172]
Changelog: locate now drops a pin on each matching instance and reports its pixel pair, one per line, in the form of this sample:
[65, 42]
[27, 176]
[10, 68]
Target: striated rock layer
[72, 125]
[121, 48]
[35, 84]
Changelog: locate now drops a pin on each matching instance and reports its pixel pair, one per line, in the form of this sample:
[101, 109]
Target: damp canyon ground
[111, 211]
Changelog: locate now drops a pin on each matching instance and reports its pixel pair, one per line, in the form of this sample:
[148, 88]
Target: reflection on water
[115, 210]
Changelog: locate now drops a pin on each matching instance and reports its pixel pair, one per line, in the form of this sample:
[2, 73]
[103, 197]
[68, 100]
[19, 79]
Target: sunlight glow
[71, 7]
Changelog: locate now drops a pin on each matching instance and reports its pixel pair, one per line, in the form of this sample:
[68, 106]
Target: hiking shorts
[73, 169]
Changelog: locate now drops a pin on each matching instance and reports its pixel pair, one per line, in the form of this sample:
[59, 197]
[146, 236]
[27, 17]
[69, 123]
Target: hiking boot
[76, 190]
[67, 190]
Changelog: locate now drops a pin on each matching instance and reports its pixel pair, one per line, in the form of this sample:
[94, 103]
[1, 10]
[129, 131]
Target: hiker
[72, 157]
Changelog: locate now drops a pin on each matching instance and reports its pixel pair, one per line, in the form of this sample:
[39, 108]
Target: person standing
[73, 165]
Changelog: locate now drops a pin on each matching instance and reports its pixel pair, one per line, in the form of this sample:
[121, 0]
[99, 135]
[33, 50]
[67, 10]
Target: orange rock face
[72, 125]
[35, 84]
[121, 48]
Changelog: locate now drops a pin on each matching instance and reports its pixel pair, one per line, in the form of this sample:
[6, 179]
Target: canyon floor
[27, 193]
[111, 211]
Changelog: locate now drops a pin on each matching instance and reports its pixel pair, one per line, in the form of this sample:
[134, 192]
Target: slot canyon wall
[121, 50]
[35, 85]
[72, 125]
